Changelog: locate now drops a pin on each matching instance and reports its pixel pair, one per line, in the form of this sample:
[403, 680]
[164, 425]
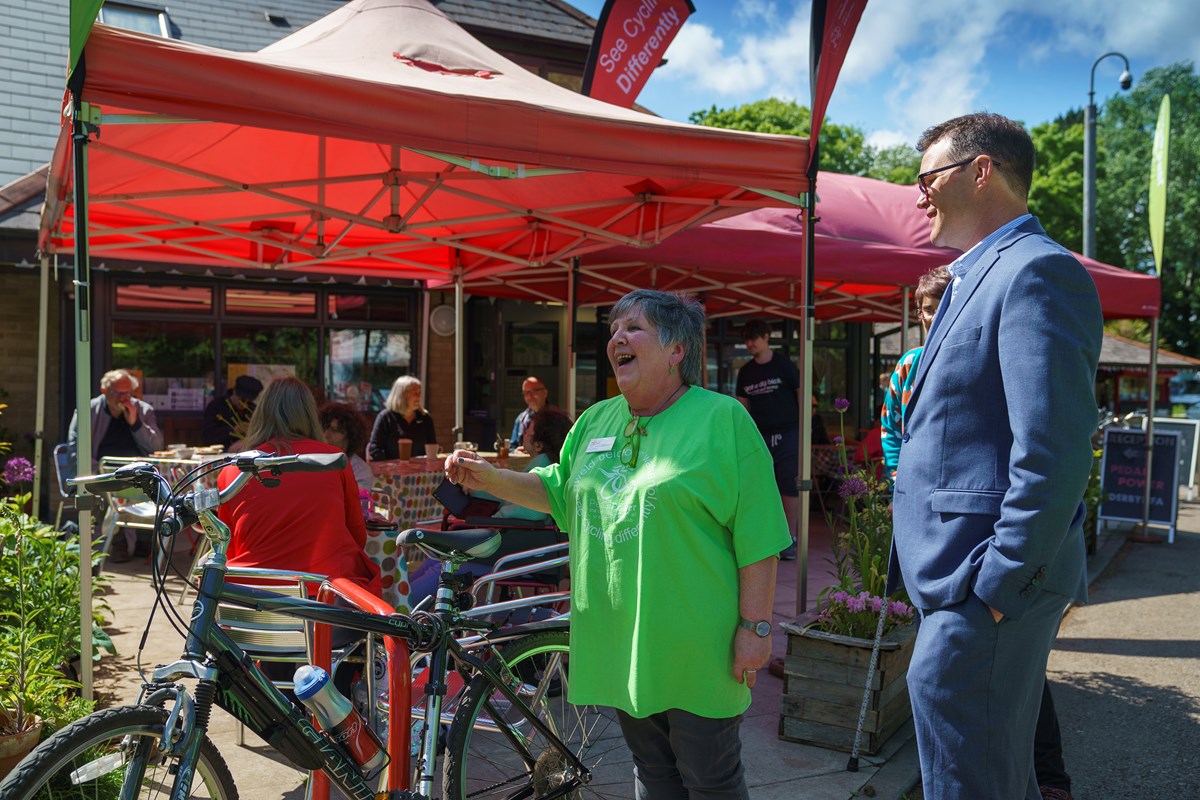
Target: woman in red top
[312, 521]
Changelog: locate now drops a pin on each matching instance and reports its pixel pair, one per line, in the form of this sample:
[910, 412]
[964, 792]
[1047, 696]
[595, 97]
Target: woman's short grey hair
[400, 387]
[679, 318]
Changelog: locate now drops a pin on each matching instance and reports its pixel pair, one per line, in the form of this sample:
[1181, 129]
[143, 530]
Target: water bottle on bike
[339, 717]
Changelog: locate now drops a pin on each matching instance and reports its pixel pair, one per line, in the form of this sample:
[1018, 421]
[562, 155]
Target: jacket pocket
[965, 501]
[963, 337]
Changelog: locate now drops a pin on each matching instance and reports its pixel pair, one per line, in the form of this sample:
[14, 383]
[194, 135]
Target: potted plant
[830, 649]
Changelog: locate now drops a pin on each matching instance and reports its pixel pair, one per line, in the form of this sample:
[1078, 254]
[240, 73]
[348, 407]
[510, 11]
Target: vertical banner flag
[83, 16]
[629, 43]
[832, 28]
[1158, 181]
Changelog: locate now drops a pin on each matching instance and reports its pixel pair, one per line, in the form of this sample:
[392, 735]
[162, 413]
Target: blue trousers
[976, 689]
[678, 755]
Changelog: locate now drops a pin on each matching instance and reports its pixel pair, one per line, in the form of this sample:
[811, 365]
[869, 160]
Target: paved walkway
[1124, 672]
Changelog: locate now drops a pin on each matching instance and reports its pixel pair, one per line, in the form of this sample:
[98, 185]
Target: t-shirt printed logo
[608, 519]
[766, 386]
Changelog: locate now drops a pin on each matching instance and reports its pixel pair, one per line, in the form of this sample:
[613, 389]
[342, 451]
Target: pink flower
[856, 604]
[852, 487]
[18, 470]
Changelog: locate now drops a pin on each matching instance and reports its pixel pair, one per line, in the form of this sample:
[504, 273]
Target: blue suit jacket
[997, 445]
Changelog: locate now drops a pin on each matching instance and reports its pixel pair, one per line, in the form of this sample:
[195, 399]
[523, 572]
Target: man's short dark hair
[755, 329]
[1006, 141]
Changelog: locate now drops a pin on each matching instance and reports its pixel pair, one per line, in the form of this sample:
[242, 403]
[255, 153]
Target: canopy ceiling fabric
[383, 139]
[871, 242]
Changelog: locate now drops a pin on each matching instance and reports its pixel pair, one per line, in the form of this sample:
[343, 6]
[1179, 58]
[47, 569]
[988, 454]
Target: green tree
[843, 147]
[1125, 132]
[896, 164]
[1056, 196]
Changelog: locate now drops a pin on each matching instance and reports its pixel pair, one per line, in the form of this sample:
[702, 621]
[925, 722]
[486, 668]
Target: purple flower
[856, 604]
[852, 487]
[841, 405]
[876, 603]
[898, 608]
[838, 440]
[18, 470]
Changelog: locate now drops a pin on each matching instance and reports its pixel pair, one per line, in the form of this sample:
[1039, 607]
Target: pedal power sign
[1123, 476]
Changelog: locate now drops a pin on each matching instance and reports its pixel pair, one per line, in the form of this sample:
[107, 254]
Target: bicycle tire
[45, 772]
[481, 762]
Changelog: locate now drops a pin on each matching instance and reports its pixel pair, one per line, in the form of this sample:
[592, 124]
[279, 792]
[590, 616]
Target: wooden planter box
[824, 678]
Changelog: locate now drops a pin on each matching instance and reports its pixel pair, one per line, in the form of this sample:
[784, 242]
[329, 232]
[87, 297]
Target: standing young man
[997, 451]
[769, 387]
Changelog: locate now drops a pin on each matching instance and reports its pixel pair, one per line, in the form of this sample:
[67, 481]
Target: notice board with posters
[1123, 477]
[1189, 443]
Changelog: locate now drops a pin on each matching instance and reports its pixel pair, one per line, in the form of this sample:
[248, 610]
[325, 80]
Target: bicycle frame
[228, 676]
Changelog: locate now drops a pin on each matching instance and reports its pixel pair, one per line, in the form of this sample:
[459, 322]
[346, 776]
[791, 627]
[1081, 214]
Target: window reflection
[259, 302]
[362, 364]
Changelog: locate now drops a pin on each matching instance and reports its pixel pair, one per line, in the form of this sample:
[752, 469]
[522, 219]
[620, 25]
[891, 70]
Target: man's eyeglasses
[923, 179]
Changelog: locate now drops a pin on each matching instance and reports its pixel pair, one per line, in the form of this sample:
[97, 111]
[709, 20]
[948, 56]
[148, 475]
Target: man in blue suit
[996, 456]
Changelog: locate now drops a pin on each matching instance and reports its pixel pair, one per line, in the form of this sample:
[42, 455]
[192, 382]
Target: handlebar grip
[138, 475]
[319, 462]
[100, 484]
[256, 461]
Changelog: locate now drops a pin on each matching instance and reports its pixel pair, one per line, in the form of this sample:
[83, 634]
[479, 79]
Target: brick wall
[19, 303]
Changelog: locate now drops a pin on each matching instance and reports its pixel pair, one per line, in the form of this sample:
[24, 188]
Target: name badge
[601, 445]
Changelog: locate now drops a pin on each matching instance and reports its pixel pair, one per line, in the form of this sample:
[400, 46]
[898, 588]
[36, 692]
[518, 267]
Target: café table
[406, 489]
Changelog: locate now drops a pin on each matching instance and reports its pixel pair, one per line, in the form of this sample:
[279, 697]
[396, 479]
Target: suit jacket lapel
[961, 297]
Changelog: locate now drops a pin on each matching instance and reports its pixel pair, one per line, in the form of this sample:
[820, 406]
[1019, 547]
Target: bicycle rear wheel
[493, 752]
[96, 756]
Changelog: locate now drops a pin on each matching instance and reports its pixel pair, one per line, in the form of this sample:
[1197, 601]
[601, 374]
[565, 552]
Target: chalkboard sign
[1123, 476]
[1189, 439]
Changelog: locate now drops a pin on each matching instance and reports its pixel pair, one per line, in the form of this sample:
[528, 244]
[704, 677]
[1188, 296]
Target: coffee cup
[431, 451]
[405, 448]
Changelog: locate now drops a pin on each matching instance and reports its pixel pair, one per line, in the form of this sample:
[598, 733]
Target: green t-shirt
[655, 551]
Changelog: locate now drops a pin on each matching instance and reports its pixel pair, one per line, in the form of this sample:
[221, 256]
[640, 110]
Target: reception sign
[1123, 477]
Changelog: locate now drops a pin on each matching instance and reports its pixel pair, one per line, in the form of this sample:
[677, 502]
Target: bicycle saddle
[472, 542]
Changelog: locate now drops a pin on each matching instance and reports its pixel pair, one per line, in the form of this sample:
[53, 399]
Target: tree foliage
[1055, 196]
[1124, 138]
[844, 148]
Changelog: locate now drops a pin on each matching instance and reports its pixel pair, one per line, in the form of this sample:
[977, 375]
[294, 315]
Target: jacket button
[906, 436]
[1041, 573]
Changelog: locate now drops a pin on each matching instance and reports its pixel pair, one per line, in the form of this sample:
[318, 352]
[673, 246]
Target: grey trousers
[678, 755]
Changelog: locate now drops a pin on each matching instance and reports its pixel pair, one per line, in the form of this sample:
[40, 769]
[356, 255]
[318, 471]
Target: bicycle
[511, 732]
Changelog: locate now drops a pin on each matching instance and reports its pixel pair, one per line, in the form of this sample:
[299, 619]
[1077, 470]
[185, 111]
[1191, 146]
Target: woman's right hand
[468, 469]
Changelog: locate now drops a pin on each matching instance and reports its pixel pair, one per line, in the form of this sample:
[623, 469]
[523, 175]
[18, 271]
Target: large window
[361, 365]
[191, 340]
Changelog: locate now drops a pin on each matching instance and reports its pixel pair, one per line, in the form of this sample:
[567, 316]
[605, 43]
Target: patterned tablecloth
[410, 486]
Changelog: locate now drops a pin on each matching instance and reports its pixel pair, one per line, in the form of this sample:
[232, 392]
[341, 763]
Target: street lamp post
[1089, 154]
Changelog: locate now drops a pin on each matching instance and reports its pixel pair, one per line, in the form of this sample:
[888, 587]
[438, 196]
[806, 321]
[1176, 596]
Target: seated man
[226, 418]
[535, 393]
[122, 425]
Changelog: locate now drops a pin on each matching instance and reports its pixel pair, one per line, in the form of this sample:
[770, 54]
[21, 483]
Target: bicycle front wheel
[493, 752]
[113, 753]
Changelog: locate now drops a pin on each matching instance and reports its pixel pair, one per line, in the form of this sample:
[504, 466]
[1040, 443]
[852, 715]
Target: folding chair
[64, 470]
[126, 509]
[266, 636]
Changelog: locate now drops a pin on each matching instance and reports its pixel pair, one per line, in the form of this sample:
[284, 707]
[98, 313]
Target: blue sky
[916, 62]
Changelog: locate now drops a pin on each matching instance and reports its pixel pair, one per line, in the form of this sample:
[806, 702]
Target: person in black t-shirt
[769, 387]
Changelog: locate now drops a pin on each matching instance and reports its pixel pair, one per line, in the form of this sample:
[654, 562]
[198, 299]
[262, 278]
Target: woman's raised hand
[467, 469]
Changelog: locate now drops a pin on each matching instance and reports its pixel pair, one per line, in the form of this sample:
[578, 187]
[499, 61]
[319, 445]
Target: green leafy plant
[39, 610]
[862, 545]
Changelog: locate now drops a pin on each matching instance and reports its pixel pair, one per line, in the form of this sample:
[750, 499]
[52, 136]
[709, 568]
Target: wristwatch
[762, 628]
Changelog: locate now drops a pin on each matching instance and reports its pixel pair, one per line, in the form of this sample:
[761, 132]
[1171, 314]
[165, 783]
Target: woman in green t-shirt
[668, 497]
